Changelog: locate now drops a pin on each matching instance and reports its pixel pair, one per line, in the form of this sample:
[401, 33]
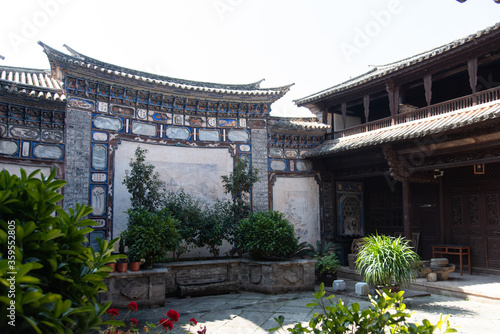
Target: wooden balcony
[489, 95]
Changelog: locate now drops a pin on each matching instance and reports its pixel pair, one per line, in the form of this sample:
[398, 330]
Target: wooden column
[393, 92]
[344, 114]
[366, 105]
[472, 67]
[428, 88]
[407, 209]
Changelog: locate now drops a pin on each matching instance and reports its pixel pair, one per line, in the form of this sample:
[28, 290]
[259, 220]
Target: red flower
[132, 306]
[174, 315]
[193, 320]
[134, 321]
[113, 312]
[167, 324]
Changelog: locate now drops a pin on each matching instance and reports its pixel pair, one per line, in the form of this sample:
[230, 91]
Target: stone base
[351, 258]
[145, 287]
[275, 277]
[199, 278]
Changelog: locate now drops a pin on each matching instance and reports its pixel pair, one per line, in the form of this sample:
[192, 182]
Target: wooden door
[472, 218]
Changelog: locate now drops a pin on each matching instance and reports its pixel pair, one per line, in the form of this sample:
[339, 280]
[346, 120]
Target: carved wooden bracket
[397, 167]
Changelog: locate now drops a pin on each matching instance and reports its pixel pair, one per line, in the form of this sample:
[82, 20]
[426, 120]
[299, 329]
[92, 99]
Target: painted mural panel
[298, 198]
[42, 151]
[178, 133]
[26, 133]
[99, 157]
[144, 129]
[209, 135]
[8, 147]
[108, 123]
[238, 135]
[98, 200]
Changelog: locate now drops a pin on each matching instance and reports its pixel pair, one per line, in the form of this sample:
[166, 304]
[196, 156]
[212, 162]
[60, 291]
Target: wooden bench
[454, 250]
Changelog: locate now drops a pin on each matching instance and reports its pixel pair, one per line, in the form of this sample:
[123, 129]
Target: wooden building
[414, 148]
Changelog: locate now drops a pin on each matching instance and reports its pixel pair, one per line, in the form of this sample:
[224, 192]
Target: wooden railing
[489, 95]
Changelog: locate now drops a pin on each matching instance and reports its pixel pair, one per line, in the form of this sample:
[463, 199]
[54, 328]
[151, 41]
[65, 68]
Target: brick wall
[77, 157]
[260, 194]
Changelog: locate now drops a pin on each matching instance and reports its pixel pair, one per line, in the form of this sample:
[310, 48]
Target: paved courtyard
[248, 312]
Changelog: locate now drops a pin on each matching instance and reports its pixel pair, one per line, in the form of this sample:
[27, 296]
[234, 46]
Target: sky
[314, 44]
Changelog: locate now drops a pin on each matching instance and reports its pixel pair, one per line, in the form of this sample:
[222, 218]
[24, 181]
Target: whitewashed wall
[298, 198]
[197, 170]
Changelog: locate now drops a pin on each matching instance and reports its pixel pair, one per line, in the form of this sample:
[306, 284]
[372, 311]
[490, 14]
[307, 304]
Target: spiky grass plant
[385, 261]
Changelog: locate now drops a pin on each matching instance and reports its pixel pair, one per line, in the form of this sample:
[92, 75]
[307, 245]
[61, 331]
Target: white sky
[314, 44]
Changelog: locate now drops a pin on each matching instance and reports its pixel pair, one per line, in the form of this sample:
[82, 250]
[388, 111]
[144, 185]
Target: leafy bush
[150, 235]
[238, 183]
[143, 183]
[385, 260]
[217, 226]
[190, 218]
[57, 278]
[266, 234]
[387, 314]
[200, 225]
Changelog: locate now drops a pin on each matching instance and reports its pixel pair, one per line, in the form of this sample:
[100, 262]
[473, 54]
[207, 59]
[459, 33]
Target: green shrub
[387, 314]
[57, 278]
[190, 218]
[216, 226]
[266, 234]
[143, 183]
[238, 183]
[150, 235]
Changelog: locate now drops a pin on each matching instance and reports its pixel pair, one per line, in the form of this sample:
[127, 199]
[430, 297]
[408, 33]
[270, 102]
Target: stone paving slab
[254, 313]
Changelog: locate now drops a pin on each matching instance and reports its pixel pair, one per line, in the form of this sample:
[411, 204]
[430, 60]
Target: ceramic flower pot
[112, 265]
[121, 267]
[135, 266]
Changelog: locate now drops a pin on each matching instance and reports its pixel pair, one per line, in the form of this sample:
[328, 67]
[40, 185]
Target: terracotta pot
[135, 266]
[112, 265]
[121, 267]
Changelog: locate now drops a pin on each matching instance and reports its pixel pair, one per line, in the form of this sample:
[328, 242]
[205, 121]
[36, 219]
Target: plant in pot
[387, 262]
[327, 265]
[266, 235]
[136, 257]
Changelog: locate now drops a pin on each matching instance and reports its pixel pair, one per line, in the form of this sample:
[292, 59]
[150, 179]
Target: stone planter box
[277, 276]
[145, 287]
[207, 277]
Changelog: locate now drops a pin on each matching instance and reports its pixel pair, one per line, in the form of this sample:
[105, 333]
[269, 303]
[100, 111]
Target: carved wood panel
[472, 218]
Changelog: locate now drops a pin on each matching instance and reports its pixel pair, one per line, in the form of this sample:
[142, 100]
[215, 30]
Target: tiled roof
[410, 130]
[383, 70]
[81, 60]
[301, 124]
[31, 82]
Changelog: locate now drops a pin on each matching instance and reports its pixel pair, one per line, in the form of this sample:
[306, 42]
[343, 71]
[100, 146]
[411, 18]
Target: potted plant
[327, 266]
[135, 256]
[121, 265]
[387, 262]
